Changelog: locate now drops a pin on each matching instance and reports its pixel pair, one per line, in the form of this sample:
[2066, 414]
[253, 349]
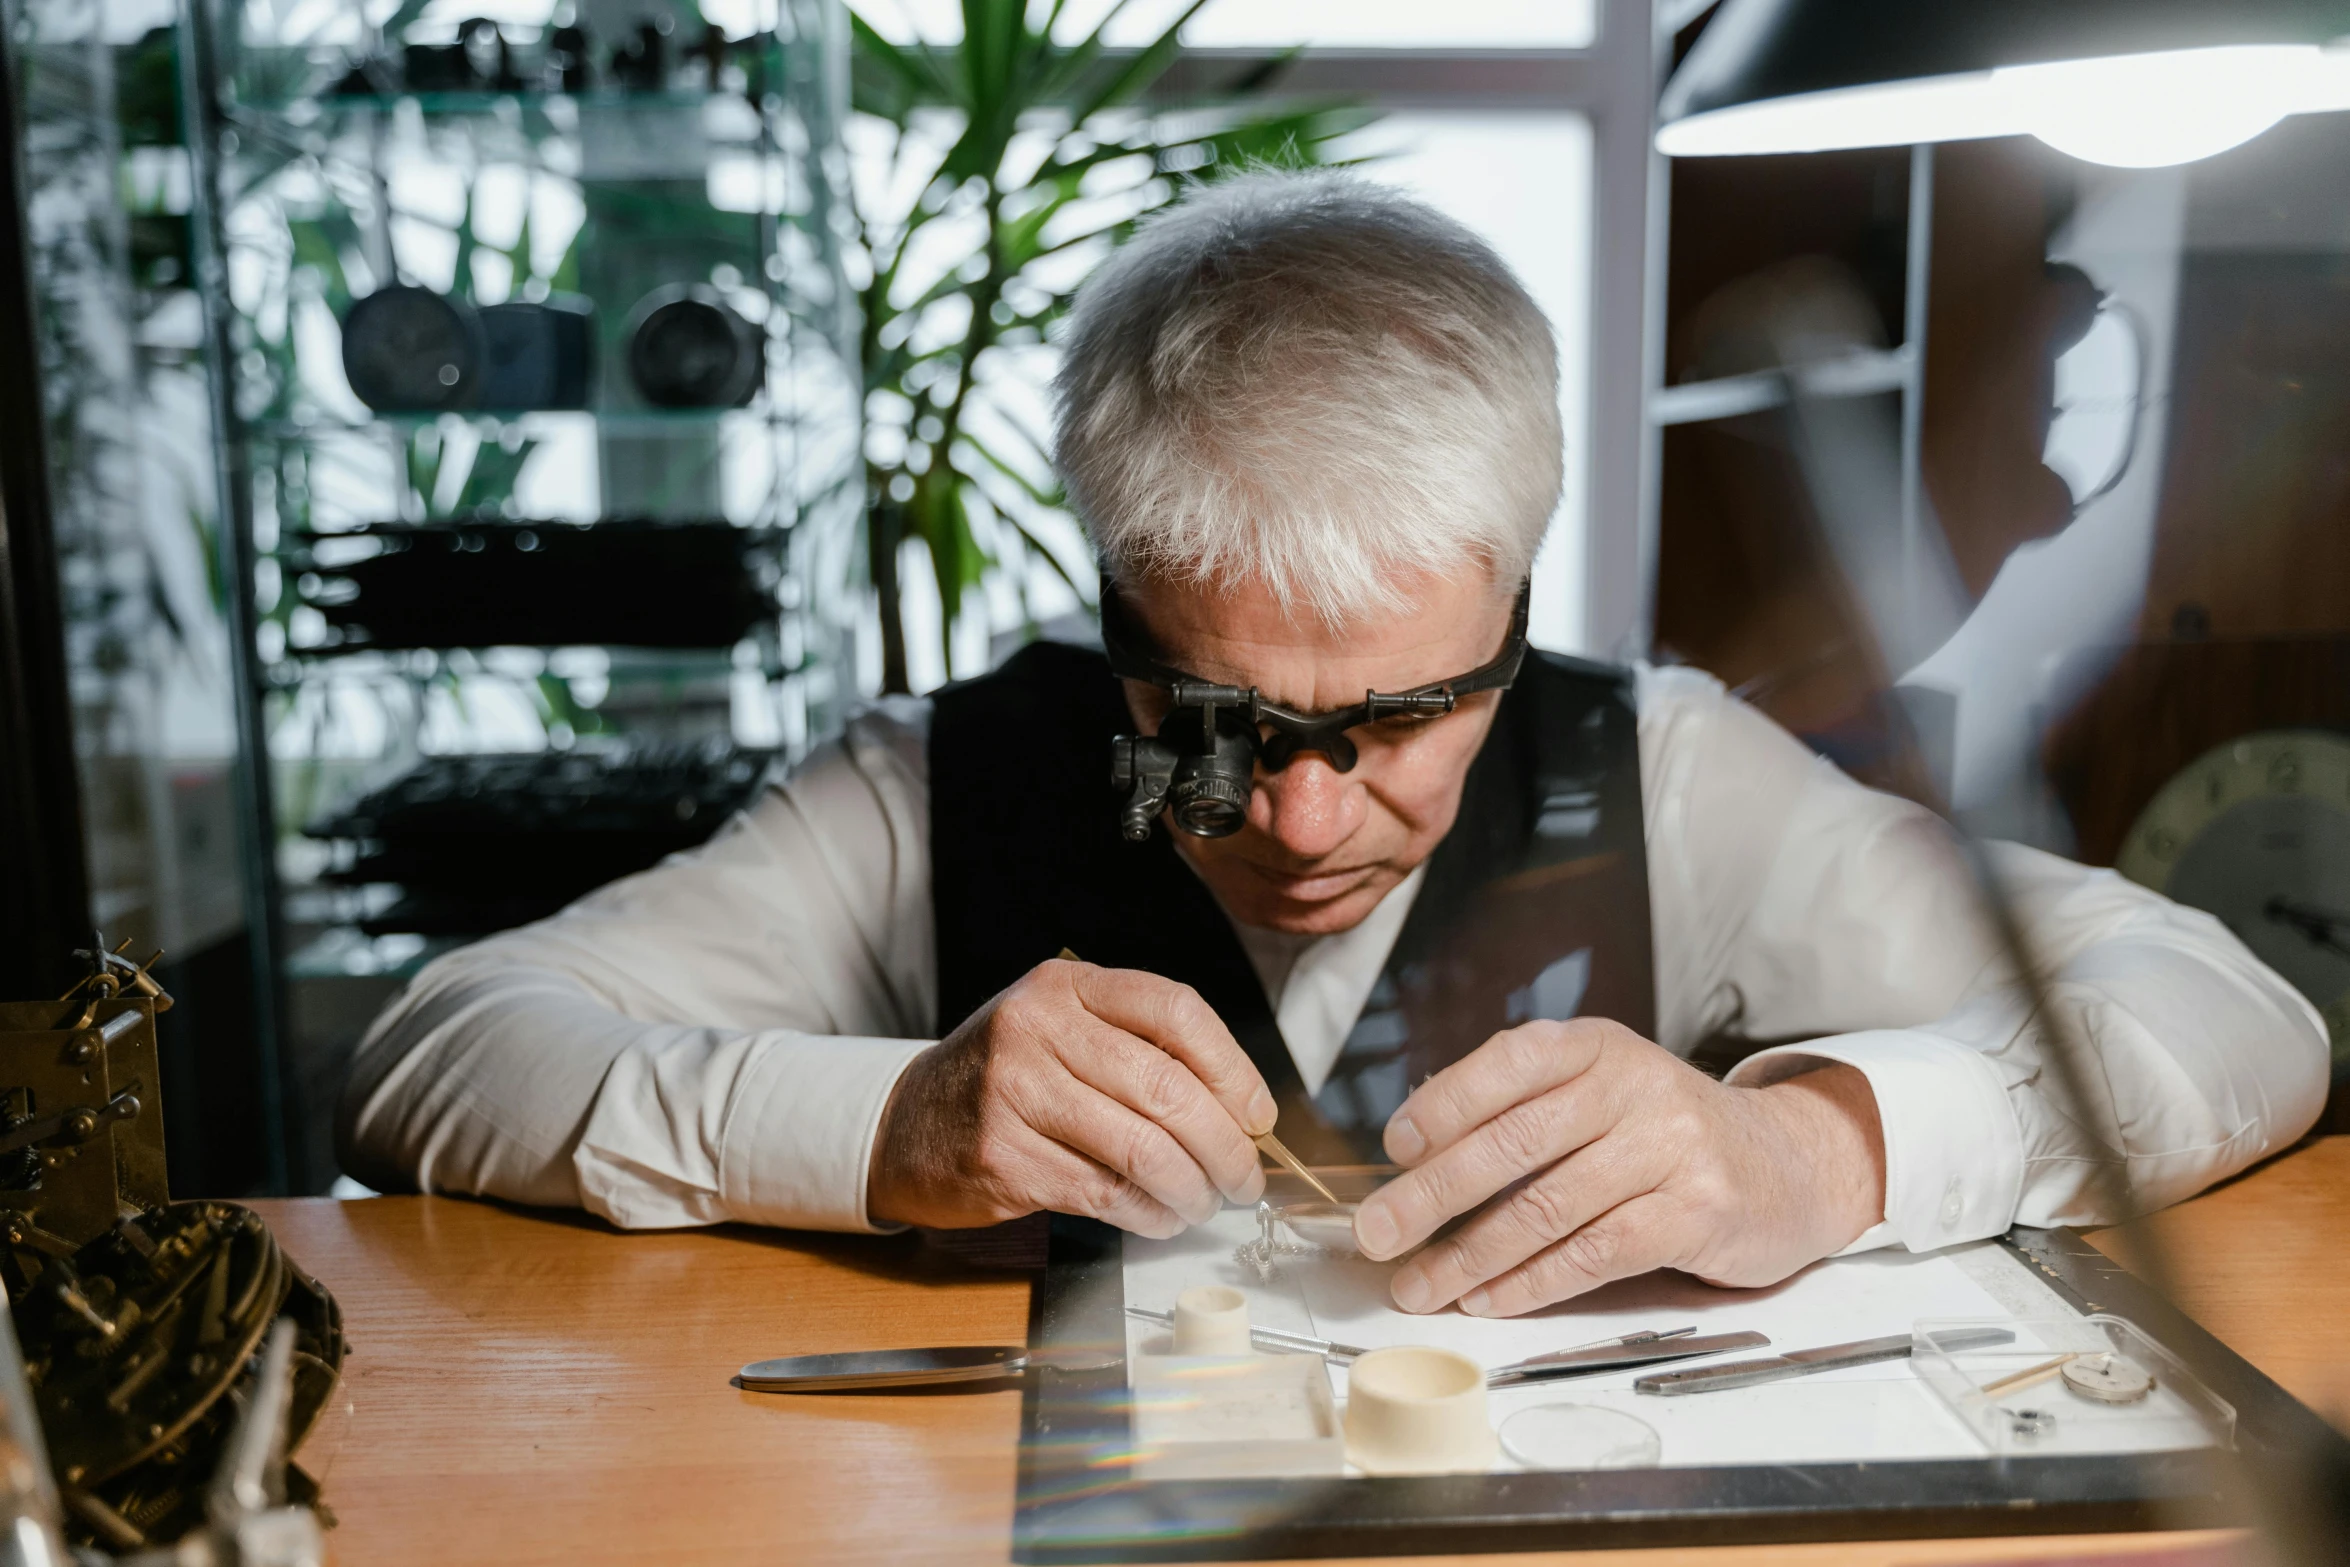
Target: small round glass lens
[1580, 1436]
[1207, 817]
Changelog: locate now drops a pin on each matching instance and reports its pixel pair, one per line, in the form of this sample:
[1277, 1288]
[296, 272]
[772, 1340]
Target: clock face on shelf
[2257, 832]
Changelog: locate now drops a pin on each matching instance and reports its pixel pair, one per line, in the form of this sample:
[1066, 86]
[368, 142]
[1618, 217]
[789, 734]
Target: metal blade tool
[1805, 1362]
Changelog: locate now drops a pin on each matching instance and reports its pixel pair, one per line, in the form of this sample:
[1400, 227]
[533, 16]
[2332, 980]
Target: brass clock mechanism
[142, 1320]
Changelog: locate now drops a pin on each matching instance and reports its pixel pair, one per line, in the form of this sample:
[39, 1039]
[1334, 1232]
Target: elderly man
[1373, 870]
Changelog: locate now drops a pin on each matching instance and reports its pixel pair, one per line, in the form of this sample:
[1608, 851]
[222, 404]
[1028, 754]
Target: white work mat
[1878, 1413]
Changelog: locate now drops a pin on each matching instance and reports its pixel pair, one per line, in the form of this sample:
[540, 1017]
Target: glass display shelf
[294, 666]
[297, 666]
[303, 424]
[731, 114]
[528, 661]
[529, 239]
[631, 135]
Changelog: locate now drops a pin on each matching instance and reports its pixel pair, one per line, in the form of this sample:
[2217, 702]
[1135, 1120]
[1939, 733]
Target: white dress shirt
[716, 1038]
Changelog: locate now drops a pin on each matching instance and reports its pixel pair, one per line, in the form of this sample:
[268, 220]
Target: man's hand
[1086, 1090]
[1637, 1161]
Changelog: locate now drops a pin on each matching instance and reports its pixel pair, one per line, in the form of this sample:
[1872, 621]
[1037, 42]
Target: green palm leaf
[887, 81]
[1149, 64]
[1000, 220]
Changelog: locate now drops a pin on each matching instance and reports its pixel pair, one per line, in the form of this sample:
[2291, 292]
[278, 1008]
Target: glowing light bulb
[2143, 111]
[2131, 111]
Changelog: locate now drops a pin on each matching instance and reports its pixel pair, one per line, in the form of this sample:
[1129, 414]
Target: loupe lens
[1210, 795]
[1210, 807]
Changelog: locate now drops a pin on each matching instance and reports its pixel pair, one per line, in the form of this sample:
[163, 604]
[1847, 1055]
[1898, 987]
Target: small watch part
[2109, 1379]
[1261, 1254]
[2029, 1424]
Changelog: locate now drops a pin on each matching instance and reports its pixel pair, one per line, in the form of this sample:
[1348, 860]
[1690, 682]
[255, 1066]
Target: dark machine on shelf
[142, 1321]
[482, 843]
[495, 583]
[488, 56]
[481, 59]
[688, 348]
[409, 350]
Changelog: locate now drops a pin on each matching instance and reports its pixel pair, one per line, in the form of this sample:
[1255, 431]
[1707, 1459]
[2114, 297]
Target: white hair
[1314, 383]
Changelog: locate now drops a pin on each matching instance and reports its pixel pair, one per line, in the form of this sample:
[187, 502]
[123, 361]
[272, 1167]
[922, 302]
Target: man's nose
[1308, 807]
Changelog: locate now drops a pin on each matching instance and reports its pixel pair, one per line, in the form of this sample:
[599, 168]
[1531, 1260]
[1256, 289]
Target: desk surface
[530, 1388]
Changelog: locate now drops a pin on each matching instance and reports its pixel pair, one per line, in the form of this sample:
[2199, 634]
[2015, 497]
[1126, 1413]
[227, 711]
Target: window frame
[1613, 83]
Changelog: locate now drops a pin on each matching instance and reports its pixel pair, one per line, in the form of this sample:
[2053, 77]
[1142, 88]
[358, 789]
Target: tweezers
[1269, 1338]
[1632, 1349]
[1804, 1362]
[1639, 1349]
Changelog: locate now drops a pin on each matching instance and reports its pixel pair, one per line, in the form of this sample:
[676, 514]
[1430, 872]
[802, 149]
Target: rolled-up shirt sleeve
[713, 1039]
[1794, 905]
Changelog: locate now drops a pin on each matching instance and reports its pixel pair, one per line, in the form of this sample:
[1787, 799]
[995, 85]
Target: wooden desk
[531, 1388]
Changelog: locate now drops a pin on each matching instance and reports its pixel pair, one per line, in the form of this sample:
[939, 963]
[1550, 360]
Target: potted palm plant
[1014, 161]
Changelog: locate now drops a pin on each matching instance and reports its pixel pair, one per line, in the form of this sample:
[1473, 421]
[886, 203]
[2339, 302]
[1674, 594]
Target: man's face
[1322, 847]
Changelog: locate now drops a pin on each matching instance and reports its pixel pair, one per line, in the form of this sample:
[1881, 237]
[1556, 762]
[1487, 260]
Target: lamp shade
[2135, 82]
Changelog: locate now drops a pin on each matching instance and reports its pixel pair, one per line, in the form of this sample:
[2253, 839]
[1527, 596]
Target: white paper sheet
[1881, 1412]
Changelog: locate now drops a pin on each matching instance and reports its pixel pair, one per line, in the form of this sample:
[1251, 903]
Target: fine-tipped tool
[1645, 1336]
[2030, 1376]
[1638, 1349]
[1268, 1338]
[1296, 1166]
[1803, 1362]
[876, 1368]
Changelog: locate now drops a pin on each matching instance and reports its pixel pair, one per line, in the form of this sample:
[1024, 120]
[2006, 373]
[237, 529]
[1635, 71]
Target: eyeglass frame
[1296, 733]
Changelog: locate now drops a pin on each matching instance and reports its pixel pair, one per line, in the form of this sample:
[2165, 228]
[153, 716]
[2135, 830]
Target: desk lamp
[2131, 83]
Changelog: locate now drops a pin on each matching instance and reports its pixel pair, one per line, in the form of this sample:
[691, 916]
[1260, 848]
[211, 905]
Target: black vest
[1535, 904]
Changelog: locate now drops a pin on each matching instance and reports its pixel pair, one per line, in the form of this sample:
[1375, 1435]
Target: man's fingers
[1066, 1181]
[1174, 1018]
[1083, 1118]
[1554, 1205]
[1163, 1090]
[1507, 1069]
[1635, 1238]
[1524, 1138]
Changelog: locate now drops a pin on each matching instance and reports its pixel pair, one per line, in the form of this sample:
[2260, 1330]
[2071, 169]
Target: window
[1280, 24]
[1516, 145]
[1522, 180]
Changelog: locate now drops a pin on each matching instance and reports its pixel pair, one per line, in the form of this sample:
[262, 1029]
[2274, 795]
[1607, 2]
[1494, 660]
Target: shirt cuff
[798, 1141]
[1954, 1156]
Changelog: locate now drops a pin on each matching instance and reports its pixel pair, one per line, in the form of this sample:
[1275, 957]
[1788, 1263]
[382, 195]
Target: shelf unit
[1899, 370]
[308, 197]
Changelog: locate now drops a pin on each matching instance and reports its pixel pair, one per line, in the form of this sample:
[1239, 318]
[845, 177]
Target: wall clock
[2257, 832]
